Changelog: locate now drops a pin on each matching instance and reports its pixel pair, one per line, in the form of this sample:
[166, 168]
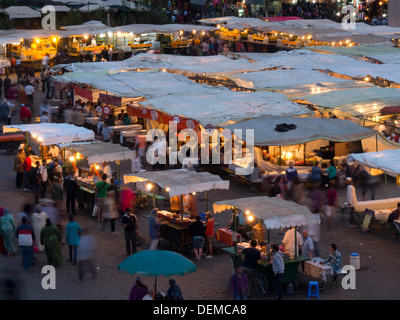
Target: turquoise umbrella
[157, 263]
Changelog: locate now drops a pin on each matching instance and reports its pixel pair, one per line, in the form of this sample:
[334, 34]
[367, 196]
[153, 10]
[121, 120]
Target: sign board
[367, 220]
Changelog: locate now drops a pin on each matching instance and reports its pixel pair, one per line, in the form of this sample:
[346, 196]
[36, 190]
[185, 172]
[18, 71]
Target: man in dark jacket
[196, 230]
[26, 237]
[129, 222]
[70, 187]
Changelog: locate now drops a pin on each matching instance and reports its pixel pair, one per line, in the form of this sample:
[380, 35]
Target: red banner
[161, 117]
[110, 100]
[84, 93]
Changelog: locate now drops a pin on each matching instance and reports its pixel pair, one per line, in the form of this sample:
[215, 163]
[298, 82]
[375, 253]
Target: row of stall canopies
[299, 75]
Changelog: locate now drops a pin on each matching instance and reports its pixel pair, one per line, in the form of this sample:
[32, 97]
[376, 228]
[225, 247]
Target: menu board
[367, 220]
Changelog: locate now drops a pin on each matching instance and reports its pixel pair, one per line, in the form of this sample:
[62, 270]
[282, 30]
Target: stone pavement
[377, 279]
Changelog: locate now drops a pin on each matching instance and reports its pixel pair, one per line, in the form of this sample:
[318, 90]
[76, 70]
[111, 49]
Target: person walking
[70, 189]
[72, 233]
[238, 284]
[85, 256]
[43, 178]
[22, 97]
[154, 229]
[209, 233]
[30, 90]
[129, 222]
[19, 167]
[110, 211]
[4, 111]
[278, 268]
[38, 218]
[27, 165]
[26, 237]
[50, 237]
[331, 203]
[101, 194]
[196, 230]
[25, 114]
[7, 231]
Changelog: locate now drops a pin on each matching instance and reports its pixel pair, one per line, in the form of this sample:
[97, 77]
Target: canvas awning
[53, 133]
[307, 129]
[275, 212]
[386, 161]
[99, 151]
[180, 182]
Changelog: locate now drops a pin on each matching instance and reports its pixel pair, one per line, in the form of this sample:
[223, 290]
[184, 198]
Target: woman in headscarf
[50, 237]
[7, 230]
[38, 222]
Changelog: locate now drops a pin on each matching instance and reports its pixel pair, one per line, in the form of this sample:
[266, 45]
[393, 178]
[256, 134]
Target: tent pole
[234, 236]
[387, 196]
[27, 138]
[269, 254]
[376, 142]
[304, 155]
[206, 200]
[295, 242]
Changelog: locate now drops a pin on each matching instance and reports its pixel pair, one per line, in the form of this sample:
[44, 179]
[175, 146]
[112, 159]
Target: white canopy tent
[180, 182]
[275, 212]
[99, 151]
[386, 161]
[53, 133]
[21, 12]
[220, 108]
[307, 129]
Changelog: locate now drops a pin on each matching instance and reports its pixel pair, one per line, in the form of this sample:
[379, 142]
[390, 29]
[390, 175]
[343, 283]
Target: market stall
[176, 186]
[272, 213]
[46, 134]
[87, 159]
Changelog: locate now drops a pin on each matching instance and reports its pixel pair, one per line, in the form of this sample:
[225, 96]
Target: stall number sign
[99, 109]
[106, 110]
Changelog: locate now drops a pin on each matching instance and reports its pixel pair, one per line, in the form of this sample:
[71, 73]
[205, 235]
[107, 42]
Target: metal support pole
[387, 195]
[206, 200]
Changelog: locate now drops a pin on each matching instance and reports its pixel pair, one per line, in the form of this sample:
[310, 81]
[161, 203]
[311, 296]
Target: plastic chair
[313, 289]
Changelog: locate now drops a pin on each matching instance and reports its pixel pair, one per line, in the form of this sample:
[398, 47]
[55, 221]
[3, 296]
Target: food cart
[272, 213]
[172, 184]
[87, 158]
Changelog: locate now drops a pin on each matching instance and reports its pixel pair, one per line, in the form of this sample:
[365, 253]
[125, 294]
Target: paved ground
[377, 279]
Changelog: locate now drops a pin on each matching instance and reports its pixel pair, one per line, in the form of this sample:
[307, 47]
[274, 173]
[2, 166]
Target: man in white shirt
[45, 61]
[290, 242]
[29, 92]
[54, 152]
[351, 198]
[44, 117]
[43, 178]
[107, 171]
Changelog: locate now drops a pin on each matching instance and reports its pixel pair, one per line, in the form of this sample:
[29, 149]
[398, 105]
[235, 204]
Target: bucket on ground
[355, 260]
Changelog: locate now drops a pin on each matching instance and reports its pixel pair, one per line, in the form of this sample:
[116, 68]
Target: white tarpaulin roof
[54, 133]
[307, 129]
[387, 161]
[21, 12]
[180, 181]
[275, 212]
[223, 107]
[100, 151]
[357, 102]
